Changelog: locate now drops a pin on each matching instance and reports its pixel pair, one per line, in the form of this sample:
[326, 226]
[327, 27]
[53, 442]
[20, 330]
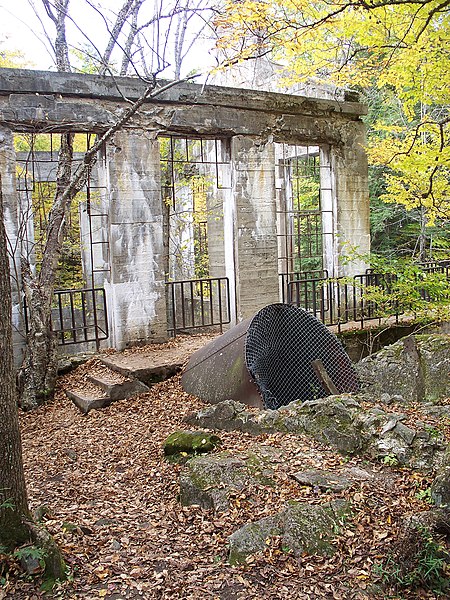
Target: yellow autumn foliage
[402, 48]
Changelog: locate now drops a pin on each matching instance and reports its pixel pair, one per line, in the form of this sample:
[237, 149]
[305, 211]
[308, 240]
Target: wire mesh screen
[281, 344]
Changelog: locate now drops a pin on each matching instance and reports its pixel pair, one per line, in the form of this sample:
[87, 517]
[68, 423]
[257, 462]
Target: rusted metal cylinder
[281, 354]
[218, 371]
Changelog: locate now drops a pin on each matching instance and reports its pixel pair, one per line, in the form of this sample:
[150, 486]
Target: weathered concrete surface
[349, 163]
[100, 392]
[119, 391]
[244, 239]
[11, 216]
[101, 87]
[256, 225]
[89, 401]
[155, 362]
[136, 289]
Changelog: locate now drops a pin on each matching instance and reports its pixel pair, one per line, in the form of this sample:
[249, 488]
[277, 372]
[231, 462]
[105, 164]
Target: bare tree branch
[59, 19]
[114, 34]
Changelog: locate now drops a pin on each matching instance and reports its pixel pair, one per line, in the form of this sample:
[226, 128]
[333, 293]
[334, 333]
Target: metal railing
[78, 316]
[198, 303]
[287, 278]
[343, 299]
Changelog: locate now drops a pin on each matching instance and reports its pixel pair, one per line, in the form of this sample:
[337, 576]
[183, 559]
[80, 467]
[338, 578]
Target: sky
[21, 30]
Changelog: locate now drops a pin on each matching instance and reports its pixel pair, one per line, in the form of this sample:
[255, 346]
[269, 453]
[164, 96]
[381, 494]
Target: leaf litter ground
[114, 509]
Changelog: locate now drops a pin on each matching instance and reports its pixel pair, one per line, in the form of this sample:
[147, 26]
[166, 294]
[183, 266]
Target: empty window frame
[305, 210]
[85, 252]
[193, 171]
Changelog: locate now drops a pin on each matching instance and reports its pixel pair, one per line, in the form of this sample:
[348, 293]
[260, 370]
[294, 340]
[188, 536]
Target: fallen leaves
[105, 474]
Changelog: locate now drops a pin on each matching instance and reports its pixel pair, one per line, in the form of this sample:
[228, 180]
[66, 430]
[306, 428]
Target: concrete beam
[116, 88]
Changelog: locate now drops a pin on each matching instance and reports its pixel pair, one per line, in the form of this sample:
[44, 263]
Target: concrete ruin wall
[251, 121]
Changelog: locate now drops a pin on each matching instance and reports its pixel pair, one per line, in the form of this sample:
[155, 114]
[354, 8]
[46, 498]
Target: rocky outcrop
[340, 421]
[416, 369]
[303, 528]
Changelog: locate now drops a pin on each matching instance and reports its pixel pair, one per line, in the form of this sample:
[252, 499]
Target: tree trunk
[37, 376]
[423, 235]
[114, 36]
[57, 12]
[13, 496]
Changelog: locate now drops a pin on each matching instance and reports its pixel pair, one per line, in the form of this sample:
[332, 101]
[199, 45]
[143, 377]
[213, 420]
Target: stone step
[100, 389]
[86, 401]
[144, 368]
[118, 390]
[125, 374]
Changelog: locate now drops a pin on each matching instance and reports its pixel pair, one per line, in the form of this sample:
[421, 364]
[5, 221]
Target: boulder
[434, 352]
[303, 528]
[440, 488]
[415, 368]
[228, 415]
[209, 481]
[331, 420]
[182, 443]
[323, 480]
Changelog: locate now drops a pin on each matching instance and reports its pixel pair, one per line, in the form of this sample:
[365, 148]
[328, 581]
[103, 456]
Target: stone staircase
[98, 391]
[125, 374]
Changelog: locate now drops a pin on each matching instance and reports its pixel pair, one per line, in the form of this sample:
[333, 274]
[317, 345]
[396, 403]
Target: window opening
[194, 173]
[85, 261]
[305, 216]
[193, 170]
[37, 164]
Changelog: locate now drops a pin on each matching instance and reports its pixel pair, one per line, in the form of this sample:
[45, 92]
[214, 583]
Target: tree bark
[59, 19]
[13, 496]
[37, 376]
[118, 26]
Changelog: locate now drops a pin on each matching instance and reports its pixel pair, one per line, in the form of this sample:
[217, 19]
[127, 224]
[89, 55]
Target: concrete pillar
[329, 213]
[256, 252]
[94, 226]
[349, 163]
[220, 218]
[11, 217]
[136, 290]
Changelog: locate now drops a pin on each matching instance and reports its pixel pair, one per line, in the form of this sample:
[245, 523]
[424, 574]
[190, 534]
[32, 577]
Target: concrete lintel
[115, 88]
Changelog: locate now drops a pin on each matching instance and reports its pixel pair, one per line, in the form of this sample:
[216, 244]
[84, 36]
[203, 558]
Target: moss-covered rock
[209, 481]
[182, 443]
[434, 353]
[343, 423]
[440, 489]
[301, 526]
[228, 415]
[333, 420]
[415, 368]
